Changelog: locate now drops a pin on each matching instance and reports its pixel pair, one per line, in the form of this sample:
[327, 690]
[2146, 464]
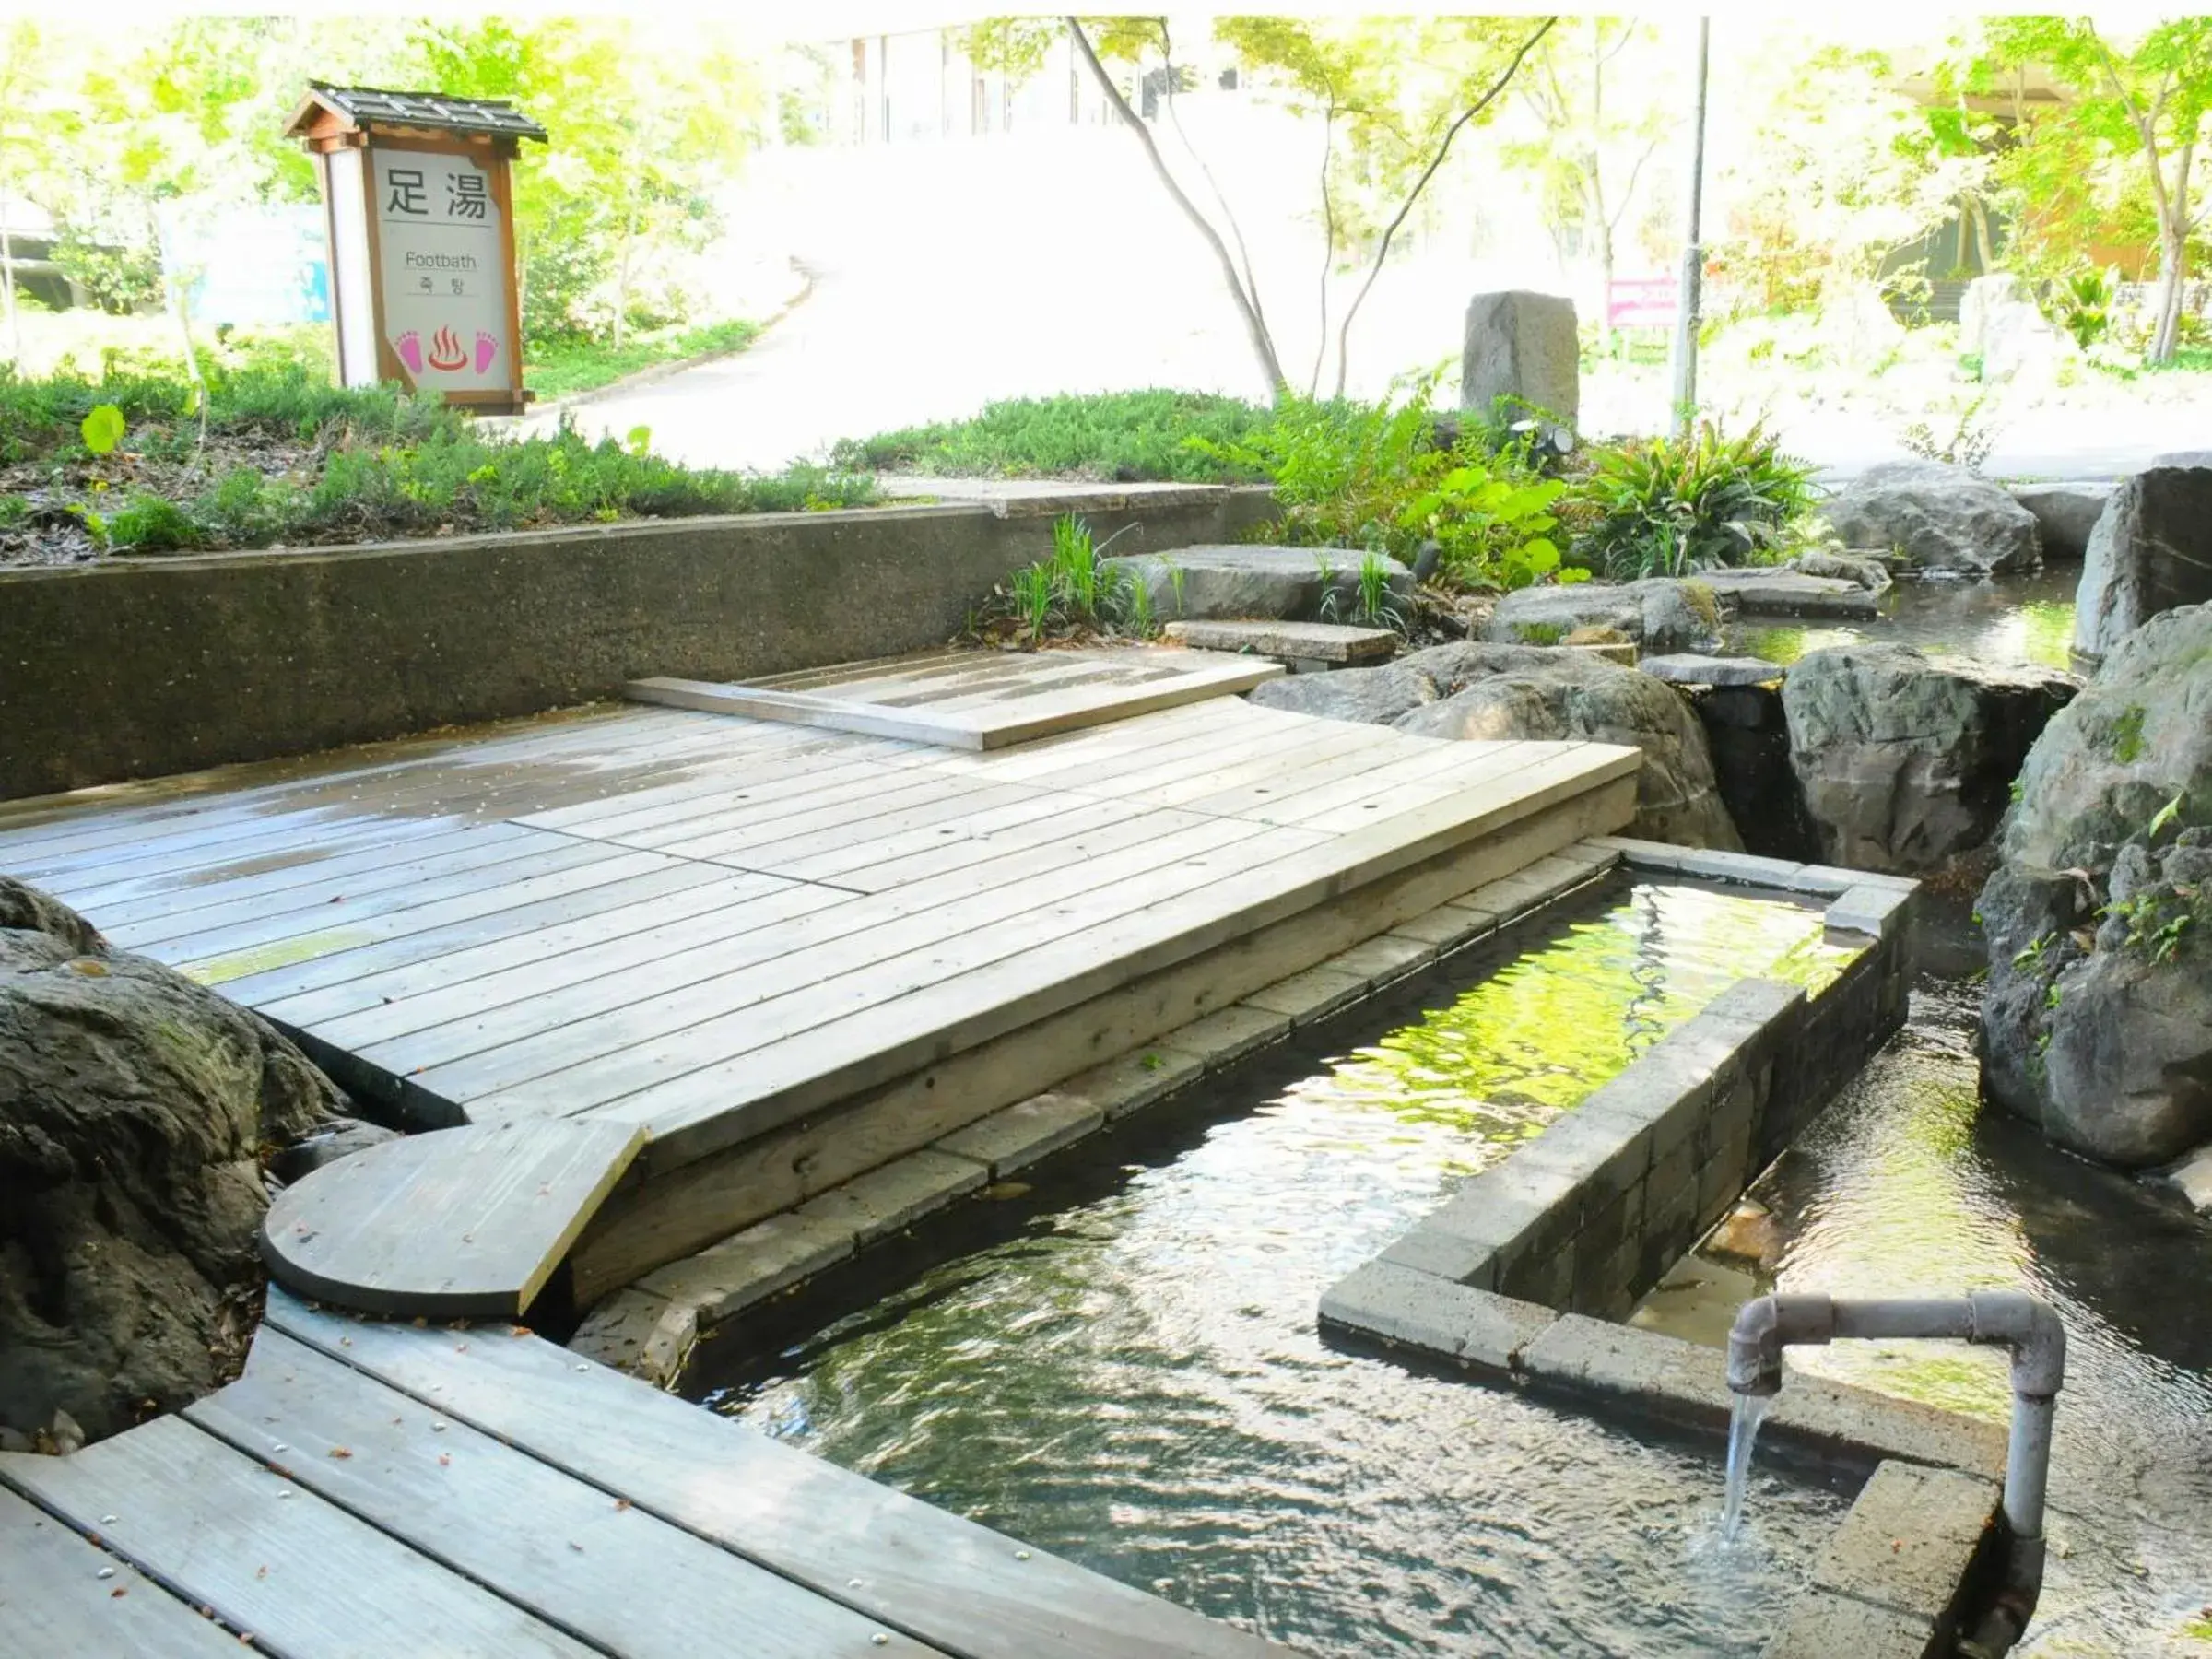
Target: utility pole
[1693, 261]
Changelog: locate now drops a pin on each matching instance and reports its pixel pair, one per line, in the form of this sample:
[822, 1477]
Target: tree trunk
[1604, 286]
[8, 283]
[2173, 259]
[1256, 328]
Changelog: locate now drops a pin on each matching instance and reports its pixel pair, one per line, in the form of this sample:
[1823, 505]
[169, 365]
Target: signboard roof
[370, 107]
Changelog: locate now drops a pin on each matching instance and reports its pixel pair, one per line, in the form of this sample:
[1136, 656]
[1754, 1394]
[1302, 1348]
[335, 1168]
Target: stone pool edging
[1524, 1274]
[650, 1327]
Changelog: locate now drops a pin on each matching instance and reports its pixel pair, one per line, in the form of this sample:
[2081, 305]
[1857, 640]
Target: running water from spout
[1743, 1428]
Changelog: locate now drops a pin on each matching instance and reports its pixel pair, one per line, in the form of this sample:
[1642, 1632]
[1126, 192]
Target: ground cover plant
[1119, 436]
[1071, 596]
[140, 461]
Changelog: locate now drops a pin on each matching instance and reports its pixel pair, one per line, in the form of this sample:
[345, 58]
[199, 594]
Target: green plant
[148, 524]
[1115, 435]
[1666, 505]
[2085, 301]
[103, 429]
[1369, 594]
[14, 509]
[2127, 734]
[1972, 434]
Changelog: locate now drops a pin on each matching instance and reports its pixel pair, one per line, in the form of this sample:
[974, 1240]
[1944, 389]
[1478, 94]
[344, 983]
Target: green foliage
[103, 430]
[1071, 593]
[1665, 506]
[1120, 435]
[1971, 435]
[14, 509]
[2085, 301]
[374, 464]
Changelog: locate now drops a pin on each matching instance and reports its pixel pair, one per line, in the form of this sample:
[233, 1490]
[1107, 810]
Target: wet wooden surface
[378, 1488]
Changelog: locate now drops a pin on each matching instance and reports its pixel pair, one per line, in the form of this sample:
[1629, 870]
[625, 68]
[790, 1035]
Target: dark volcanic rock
[133, 1109]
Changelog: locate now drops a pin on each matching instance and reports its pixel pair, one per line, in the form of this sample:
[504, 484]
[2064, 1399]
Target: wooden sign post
[418, 199]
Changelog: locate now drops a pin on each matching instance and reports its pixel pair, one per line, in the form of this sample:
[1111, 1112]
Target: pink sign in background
[1641, 302]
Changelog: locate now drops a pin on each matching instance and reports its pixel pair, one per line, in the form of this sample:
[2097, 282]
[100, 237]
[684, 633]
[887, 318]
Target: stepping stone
[1687, 668]
[1206, 583]
[457, 1223]
[1789, 594]
[1326, 644]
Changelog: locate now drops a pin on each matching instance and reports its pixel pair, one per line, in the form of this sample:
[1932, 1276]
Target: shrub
[1122, 436]
[1664, 507]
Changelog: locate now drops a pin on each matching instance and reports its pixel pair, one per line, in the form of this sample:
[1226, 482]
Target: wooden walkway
[376, 1490]
[675, 933]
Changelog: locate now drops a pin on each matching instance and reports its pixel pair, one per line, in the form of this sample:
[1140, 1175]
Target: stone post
[1524, 346]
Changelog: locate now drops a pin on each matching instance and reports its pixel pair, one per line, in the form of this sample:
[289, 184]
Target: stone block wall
[1590, 1214]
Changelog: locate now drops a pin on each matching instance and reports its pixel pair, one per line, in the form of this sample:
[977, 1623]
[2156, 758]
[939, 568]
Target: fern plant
[1666, 505]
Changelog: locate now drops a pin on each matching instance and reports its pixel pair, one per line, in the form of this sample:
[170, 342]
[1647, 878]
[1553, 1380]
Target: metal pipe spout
[2008, 1319]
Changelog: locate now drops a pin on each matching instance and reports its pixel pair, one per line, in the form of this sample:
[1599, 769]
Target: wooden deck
[376, 1490]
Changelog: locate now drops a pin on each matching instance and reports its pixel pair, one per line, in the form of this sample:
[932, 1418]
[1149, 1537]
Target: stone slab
[1908, 1540]
[642, 1333]
[1689, 668]
[1290, 641]
[1386, 958]
[1440, 1319]
[898, 1194]
[1230, 1033]
[1134, 1080]
[1864, 911]
[1314, 995]
[1756, 592]
[1449, 927]
[752, 1265]
[1821, 1626]
[1522, 345]
[1024, 1132]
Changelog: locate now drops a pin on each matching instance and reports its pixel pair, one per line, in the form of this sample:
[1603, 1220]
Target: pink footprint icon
[409, 347]
[487, 348]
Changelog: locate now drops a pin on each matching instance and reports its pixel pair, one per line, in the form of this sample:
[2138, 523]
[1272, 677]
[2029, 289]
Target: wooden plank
[609, 963]
[61, 1595]
[406, 981]
[859, 802]
[1006, 709]
[497, 855]
[831, 1132]
[348, 965]
[958, 1011]
[228, 962]
[302, 1576]
[1114, 829]
[147, 899]
[713, 787]
[942, 1578]
[601, 1057]
[991, 811]
[1105, 823]
[573, 1554]
[455, 1223]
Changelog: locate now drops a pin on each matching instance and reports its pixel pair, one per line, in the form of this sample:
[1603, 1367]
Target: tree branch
[1263, 346]
[1328, 242]
[1167, 60]
[1344, 332]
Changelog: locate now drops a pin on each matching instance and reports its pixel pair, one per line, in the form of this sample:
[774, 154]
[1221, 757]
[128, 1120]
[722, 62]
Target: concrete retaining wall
[140, 668]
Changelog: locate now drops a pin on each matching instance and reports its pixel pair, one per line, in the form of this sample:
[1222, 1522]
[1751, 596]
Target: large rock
[1943, 517]
[2151, 551]
[1506, 691]
[1906, 760]
[1983, 295]
[1524, 346]
[1857, 326]
[1295, 583]
[1660, 615]
[2097, 1014]
[1748, 734]
[2020, 346]
[134, 1107]
[2065, 514]
[1758, 591]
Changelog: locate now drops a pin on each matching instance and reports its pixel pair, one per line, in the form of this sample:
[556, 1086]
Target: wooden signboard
[419, 197]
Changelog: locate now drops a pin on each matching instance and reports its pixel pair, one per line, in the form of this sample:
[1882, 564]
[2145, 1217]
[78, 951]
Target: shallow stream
[1119, 1363]
[2008, 621]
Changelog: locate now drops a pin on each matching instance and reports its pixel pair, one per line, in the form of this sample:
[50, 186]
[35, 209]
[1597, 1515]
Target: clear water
[1119, 1363]
[2010, 621]
[1909, 1186]
[1743, 1439]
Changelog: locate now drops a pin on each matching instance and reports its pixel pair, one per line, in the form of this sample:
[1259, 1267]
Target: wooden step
[456, 1223]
